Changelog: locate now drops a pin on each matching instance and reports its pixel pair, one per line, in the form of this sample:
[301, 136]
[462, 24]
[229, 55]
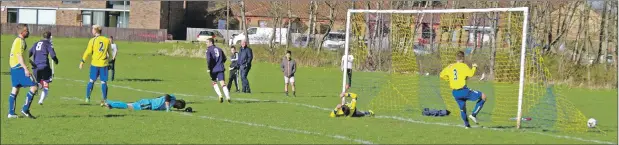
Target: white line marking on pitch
[382, 117]
[283, 129]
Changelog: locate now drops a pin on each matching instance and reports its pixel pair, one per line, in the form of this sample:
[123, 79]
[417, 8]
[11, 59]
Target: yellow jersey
[352, 106]
[17, 49]
[98, 48]
[457, 74]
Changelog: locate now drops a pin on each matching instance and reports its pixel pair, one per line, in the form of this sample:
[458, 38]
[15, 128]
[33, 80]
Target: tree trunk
[288, 40]
[577, 46]
[602, 34]
[274, 17]
[565, 25]
[493, 42]
[432, 28]
[315, 22]
[244, 21]
[311, 23]
[227, 21]
[331, 21]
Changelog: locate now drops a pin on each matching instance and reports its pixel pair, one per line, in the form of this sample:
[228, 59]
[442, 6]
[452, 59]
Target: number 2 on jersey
[100, 46]
[455, 75]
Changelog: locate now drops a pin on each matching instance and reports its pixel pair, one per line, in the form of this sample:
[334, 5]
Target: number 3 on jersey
[455, 75]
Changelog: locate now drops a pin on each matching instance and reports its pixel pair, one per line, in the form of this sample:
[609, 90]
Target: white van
[335, 41]
[259, 35]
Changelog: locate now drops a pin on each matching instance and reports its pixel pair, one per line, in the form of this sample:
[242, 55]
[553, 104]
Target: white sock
[217, 90]
[226, 92]
[43, 95]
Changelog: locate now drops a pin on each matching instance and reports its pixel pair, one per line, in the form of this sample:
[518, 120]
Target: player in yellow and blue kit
[456, 74]
[165, 102]
[20, 75]
[349, 109]
[98, 48]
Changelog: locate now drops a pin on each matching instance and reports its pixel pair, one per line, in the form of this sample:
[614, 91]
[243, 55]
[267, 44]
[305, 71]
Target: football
[592, 123]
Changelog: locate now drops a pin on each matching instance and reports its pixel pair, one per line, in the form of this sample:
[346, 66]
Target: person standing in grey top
[234, 69]
[289, 67]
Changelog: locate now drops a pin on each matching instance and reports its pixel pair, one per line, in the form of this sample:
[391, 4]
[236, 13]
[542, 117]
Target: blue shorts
[98, 72]
[143, 104]
[217, 76]
[466, 94]
[19, 78]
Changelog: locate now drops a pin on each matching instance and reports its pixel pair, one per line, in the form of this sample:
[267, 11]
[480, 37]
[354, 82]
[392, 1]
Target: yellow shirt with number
[19, 45]
[97, 47]
[456, 74]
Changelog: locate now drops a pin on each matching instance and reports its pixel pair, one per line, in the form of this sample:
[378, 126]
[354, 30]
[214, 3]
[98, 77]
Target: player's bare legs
[294, 93]
[226, 91]
[286, 88]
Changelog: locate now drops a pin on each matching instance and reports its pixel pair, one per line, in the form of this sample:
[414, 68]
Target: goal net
[398, 55]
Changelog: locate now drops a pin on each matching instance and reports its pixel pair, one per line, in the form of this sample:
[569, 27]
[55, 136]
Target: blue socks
[89, 89]
[462, 105]
[12, 104]
[29, 98]
[104, 90]
[117, 104]
[480, 104]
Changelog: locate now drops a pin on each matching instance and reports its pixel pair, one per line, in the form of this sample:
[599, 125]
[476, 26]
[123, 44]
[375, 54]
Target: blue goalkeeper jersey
[159, 103]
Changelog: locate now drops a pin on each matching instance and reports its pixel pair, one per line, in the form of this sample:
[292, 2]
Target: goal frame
[524, 10]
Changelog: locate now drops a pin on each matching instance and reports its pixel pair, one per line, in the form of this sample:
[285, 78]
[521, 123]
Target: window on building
[86, 18]
[32, 16]
[27, 16]
[11, 15]
[71, 1]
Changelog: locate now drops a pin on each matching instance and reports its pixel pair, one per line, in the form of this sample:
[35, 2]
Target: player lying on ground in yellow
[161, 103]
[349, 109]
[456, 74]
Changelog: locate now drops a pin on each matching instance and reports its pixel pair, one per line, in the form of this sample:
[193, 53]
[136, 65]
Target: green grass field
[265, 116]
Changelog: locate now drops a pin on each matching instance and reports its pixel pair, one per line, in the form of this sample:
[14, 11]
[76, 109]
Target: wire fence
[125, 34]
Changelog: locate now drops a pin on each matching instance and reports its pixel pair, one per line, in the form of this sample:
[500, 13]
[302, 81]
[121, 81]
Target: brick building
[168, 15]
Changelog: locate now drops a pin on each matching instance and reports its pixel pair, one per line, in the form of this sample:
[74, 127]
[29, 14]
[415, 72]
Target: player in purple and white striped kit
[40, 63]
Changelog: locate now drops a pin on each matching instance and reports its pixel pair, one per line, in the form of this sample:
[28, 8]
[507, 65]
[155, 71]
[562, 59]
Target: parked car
[262, 35]
[205, 35]
[334, 41]
[302, 41]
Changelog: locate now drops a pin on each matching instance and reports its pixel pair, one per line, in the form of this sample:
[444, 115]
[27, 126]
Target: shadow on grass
[318, 96]
[139, 80]
[271, 92]
[252, 101]
[93, 116]
[6, 73]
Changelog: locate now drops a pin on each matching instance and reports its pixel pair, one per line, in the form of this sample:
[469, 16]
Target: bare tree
[575, 55]
[493, 39]
[602, 33]
[311, 23]
[332, 6]
[244, 22]
[227, 21]
[288, 41]
[275, 16]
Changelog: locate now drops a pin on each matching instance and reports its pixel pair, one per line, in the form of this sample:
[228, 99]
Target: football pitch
[266, 116]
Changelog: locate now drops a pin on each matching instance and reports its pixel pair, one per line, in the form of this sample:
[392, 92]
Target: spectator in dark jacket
[244, 62]
[289, 67]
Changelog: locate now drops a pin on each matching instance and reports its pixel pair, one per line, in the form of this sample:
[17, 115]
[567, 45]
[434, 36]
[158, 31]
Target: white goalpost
[524, 10]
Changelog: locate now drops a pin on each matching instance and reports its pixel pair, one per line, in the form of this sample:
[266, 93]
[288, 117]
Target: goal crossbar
[524, 10]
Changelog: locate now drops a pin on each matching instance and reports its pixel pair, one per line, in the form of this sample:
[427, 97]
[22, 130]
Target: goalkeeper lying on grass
[161, 103]
[349, 109]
